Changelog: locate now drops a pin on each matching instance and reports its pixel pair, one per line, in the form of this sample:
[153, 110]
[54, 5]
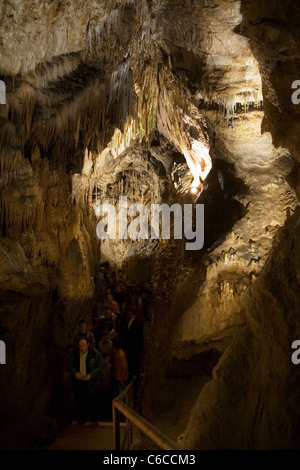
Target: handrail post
[127, 421]
[116, 427]
[122, 405]
[129, 403]
[131, 398]
[147, 428]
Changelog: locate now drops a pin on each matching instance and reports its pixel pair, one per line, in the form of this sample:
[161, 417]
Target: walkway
[88, 437]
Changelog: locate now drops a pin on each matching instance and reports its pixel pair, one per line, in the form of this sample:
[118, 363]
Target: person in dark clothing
[106, 389]
[85, 364]
[105, 345]
[121, 296]
[98, 326]
[84, 333]
[133, 344]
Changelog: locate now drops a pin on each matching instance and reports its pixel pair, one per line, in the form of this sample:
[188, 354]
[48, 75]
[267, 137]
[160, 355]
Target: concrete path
[88, 437]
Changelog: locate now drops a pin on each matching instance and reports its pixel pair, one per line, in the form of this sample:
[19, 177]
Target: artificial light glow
[199, 162]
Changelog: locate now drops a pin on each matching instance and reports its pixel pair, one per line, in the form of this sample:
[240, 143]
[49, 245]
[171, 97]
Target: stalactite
[120, 92]
[229, 104]
[111, 22]
[8, 167]
[147, 100]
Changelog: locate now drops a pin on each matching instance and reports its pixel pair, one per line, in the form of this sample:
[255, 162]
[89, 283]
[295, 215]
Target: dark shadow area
[202, 363]
[221, 209]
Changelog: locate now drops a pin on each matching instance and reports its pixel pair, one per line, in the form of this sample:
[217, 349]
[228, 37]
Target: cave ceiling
[104, 75]
[92, 85]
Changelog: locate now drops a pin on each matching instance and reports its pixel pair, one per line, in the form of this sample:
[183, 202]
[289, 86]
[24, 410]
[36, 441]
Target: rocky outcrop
[256, 404]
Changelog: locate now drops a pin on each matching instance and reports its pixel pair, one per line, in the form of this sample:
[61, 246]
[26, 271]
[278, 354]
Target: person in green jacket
[85, 364]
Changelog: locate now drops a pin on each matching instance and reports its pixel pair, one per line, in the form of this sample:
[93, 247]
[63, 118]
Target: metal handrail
[159, 438]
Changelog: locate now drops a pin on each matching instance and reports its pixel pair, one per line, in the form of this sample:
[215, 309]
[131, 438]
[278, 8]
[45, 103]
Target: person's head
[82, 326]
[104, 336]
[132, 312]
[108, 325]
[83, 345]
[133, 308]
[120, 286]
[106, 358]
[107, 312]
[120, 322]
[96, 318]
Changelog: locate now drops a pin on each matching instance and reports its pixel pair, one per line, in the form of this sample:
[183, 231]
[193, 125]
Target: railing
[123, 404]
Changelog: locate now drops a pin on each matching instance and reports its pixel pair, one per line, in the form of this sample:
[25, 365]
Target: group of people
[106, 351]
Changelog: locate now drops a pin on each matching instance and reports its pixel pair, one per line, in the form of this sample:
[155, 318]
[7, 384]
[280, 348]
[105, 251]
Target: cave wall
[49, 259]
[255, 387]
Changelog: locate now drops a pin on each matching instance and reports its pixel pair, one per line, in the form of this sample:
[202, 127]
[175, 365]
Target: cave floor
[185, 391]
[90, 437]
